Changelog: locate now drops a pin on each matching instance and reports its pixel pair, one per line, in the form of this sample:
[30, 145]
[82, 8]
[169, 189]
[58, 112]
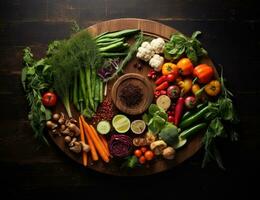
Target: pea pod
[194, 118]
[192, 131]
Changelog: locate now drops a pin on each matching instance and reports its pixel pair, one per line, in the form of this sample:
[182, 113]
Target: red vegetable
[163, 86]
[161, 80]
[49, 99]
[190, 102]
[178, 111]
[171, 118]
[171, 77]
[120, 145]
[163, 92]
[203, 72]
[173, 91]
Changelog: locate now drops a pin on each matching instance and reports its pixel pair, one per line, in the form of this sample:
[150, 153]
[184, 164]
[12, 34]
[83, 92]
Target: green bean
[107, 40]
[104, 44]
[111, 47]
[101, 91]
[122, 33]
[100, 35]
[112, 54]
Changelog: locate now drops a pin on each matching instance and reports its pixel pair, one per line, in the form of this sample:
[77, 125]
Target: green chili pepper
[192, 131]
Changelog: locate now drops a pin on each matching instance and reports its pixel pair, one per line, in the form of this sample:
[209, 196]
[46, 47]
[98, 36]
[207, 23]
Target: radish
[190, 102]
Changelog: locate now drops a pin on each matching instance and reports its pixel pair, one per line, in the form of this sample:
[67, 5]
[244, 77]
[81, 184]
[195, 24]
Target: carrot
[93, 151]
[104, 141]
[82, 138]
[99, 140]
[96, 140]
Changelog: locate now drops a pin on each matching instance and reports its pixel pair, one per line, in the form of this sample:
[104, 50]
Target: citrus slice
[138, 126]
[121, 123]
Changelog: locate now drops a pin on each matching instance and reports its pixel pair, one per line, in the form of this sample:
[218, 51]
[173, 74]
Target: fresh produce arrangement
[69, 95]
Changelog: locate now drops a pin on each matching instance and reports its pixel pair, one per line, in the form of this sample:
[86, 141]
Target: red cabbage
[120, 145]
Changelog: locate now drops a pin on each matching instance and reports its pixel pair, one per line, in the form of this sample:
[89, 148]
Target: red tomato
[49, 99]
[143, 149]
[138, 153]
[149, 155]
[142, 160]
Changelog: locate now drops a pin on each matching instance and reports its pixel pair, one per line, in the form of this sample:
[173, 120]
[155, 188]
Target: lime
[138, 126]
[121, 123]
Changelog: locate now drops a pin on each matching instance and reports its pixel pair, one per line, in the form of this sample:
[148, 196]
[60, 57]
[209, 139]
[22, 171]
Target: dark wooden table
[230, 34]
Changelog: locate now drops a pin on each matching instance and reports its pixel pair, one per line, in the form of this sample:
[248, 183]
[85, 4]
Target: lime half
[121, 123]
[138, 126]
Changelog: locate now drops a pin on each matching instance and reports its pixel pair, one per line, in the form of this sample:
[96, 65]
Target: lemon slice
[121, 123]
[138, 126]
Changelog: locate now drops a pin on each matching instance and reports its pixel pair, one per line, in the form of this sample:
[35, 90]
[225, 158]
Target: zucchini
[192, 131]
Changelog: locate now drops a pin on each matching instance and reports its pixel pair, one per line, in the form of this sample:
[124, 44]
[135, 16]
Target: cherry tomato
[138, 153]
[142, 160]
[49, 99]
[143, 149]
[148, 155]
[171, 118]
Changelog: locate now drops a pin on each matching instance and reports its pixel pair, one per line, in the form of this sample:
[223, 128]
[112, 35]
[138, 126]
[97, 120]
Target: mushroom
[139, 141]
[73, 127]
[85, 147]
[62, 127]
[72, 142]
[51, 125]
[169, 153]
[76, 148]
[61, 119]
[56, 117]
[67, 132]
[158, 146]
[150, 137]
[67, 139]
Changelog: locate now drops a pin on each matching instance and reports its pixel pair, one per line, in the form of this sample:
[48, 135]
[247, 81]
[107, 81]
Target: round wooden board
[158, 165]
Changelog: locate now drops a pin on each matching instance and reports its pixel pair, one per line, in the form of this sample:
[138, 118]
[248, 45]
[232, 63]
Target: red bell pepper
[203, 72]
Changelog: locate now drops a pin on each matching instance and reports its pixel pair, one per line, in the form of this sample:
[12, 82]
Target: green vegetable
[223, 113]
[194, 118]
[192, 131]
[169, 134]
[112, 54]
[77, 52]
[189, 113]
[111, 47]
[103, 127]
[156, 124]
[118, 34]
[36, 78]
[180, 143]
[131, 162]
[129, 56]
[180, 44]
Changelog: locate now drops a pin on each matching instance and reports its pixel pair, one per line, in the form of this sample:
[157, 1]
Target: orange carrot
[104, 141]
[82, 138]
[98, 144]
[90, 142]
[100, 141]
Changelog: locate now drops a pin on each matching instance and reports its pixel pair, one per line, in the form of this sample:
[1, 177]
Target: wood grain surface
[230, 33]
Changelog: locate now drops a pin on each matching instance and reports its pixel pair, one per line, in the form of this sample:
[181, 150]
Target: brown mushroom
[169, 153]
[85, 147]
[67, 132]
[139, 141]
[158, 146]
[61, 119]
[73, 127]
[71, 144]
[76, 148]
[51, 125]
[67, 139]
[56, 117]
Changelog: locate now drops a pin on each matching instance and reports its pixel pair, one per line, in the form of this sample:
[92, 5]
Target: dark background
[231, 35]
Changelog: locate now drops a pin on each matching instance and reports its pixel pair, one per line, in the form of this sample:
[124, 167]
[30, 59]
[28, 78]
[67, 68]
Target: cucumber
[181, 142]
[103, 127]
[192, 131]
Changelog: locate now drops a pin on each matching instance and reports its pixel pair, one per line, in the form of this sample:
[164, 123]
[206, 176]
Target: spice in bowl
[131, 95]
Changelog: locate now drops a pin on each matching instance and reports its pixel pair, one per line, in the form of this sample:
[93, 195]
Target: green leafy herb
[79, 51]
[36, 78]
[221, 112]
[180, 44]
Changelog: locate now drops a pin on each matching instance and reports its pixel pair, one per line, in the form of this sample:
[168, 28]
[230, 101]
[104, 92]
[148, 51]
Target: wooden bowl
[137, 80]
